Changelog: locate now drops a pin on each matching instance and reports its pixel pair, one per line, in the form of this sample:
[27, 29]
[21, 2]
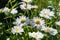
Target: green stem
[28, 13]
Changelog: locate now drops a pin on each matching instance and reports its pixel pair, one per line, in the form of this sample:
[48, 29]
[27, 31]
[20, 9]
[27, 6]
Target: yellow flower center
[35, 35]
[38, 21]
[25, 6]
[47, 14]
[23, 20]
[17, 29]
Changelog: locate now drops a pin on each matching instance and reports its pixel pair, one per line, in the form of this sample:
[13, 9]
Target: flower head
[37, 22]
[22, 20]
[46, 13]
[36, 35]
[50, 30]
[17, 29]
[25, 6]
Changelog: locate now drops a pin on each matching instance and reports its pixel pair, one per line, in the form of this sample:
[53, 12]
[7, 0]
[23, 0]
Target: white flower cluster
[7, 10]
[36, 22]
[24, 6]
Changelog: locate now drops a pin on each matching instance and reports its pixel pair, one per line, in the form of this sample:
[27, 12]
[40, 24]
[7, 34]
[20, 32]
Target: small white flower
[46, 13]
[22, 20]
[17, 29]
[6, 9]
[27, 1]
[14, 11]
[37, 22]
[36, 35]
[50, 30]
[58, 23]
[25, 6]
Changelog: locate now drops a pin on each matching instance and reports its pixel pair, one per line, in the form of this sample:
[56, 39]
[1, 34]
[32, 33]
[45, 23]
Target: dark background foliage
[3, 3]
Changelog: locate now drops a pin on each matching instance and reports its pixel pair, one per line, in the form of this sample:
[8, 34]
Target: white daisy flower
[36, 35]
[57, 23]
[22, 20]
[50, 30]
[14, 11]
[37, 22]
[27, 1]
[6, 9]
[17, 29]
[25, 6]
[46, 13]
